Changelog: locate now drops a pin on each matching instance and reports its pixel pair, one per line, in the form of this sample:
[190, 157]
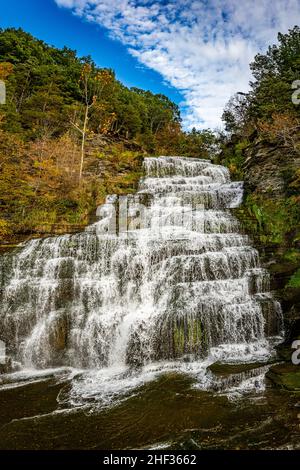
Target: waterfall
[165, 274]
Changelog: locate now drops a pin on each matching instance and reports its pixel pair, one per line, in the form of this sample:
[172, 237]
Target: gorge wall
[270, 213]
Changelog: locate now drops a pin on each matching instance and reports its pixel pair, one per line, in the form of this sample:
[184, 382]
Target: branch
[77, 127]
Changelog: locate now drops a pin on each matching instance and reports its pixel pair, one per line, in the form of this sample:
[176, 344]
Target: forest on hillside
[70, 133]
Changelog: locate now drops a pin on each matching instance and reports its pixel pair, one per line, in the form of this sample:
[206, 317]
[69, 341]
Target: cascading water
[164, 275]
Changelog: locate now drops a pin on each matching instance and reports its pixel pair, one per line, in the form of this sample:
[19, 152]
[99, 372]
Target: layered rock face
[270, 174]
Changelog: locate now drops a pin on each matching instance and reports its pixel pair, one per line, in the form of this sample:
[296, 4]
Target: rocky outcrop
[6, 366]
[271, 216]
[266, 166]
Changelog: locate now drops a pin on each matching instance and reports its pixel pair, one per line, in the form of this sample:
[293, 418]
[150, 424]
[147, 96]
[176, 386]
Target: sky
[197, 52]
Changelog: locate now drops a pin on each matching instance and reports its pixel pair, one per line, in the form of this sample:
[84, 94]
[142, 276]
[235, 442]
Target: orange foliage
[6, 69]
[55, 164]
[168, 139]
[282, 126]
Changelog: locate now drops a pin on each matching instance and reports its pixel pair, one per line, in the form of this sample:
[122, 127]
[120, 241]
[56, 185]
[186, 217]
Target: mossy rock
[282, 267]
[285, 376]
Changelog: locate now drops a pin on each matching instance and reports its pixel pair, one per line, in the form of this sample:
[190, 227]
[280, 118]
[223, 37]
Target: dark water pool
[168, 412]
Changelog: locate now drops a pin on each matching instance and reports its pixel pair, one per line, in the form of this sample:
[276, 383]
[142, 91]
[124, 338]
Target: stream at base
[169, 411]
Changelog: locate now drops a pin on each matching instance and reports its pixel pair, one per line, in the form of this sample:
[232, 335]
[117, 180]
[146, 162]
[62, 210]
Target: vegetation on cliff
[262, 146]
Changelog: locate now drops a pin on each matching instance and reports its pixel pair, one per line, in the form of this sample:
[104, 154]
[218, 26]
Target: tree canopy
[70, 133]
[271, 90]
[44, 92]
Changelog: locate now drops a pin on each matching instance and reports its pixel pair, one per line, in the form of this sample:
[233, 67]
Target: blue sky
[57, 26]
[195, 51]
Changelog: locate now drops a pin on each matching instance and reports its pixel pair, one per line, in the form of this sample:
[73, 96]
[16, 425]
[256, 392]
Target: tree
[283, 127]
[235, 113]
[271, 90]
[57, 107]
[92, 85]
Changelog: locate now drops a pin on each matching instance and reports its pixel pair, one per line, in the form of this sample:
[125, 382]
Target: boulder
[7, 366]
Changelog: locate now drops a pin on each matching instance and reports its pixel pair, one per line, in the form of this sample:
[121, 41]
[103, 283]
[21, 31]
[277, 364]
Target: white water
[175, 280]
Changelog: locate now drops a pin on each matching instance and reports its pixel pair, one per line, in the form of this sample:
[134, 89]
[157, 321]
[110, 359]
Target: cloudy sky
[198, 51]
[202, 48]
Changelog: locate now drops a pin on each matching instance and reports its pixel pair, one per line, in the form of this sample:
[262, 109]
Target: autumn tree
[6, 69]
[283, 127]
[271, 88]
[92, 85]
[57, 105]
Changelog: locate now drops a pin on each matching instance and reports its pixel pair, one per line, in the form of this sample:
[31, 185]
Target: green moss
[197, 332]
[5, 228]
[294, 280]
[179, 340]
[292, 255]
[286, 376]
[195, 335]
[269, 220]
[189, 337]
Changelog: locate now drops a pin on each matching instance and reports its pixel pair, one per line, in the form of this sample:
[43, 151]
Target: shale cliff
[271, 215]
[261, 146]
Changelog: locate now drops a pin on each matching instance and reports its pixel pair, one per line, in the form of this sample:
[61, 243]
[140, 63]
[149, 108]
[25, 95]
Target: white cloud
[201, 47]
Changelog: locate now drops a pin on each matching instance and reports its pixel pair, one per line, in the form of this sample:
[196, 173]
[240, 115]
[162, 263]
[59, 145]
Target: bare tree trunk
[19, 104]
[83, 140]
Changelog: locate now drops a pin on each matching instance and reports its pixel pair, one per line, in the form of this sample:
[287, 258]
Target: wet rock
[187, 358]
[292, 329]
[64, 293]
[7, 366]
[226, 376]
[284, 351]
[291, 298]
[59, 334]
[281, 271]
[224, 370]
